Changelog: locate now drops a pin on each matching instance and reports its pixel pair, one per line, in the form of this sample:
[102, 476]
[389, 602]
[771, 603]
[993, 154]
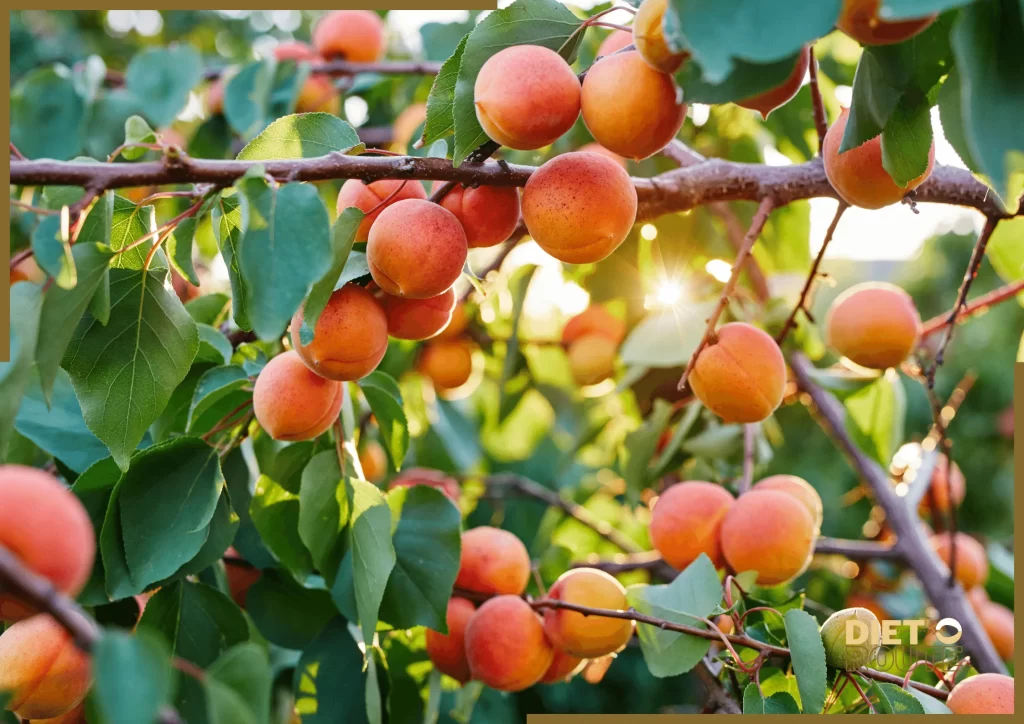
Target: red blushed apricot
[526, 96]
[630, 108]
[47, 529]
[431, 478]
[858, 175]
[563, 667]
[418, 318]
[46, 674]
[579, 207]
[982, 694]
[587, 636]
[350, 337]
[27, 270]
[971, 560]
[859, 19]
[948, 485]
[686, 521]
[874, 324]
[493, 561]
[448, 364]
[592, 359]
[725, 624]
[978, 598]
[416, 249]
[649, 37]
[506, 646]
[295, 50]
[75, 716]
[241, 575]
[373, 460]
[354, 35]
[292, 402]
[455, 328]
[765, 103]
[448, 653]
[367, 197]
[997, 621]
[770, 532]
[614, 42]
[318, 95]
[595, 319]
[488, 214]
[595, 147]
[799, 489]
[741, 375]
[215, 97]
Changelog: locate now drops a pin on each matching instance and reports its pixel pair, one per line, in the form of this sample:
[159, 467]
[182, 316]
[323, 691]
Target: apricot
[649, 37]
[506, 646]
[587, 636]
[416, 249]
[765, 103]
[448, 652]
[370, 197]
[799, 489]
[294, 50]
[418, 318]
[75, 716]
[859, 19]
[630, 108]
[45, 673]
[614, 42]
[373, 460]
[858, 175]
[982, 694]
[770, 532]
[563, 667]
[318, 95]
[215, 97]
[978, 598]
[292, 402]
[592, 359]
[526, 96]
[725, 624]
[27, 270]
[687, 521]
[405, 125]
[493, 561]
[354, 35]
[595, 319]
[971, 561]
[489, 214]
[455, 328]
[997, 620]
[46, 527]
[431, 478]
[874, 324]
[595, 147]
[947, 485]
[448, 364]
[740, 375]
[241, 575]
[579, 207]
[350, 337]
[840, 652]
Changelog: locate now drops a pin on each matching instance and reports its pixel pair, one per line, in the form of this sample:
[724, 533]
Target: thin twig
[817, 104]
[749, 432]
[978, 306]
[16, 153]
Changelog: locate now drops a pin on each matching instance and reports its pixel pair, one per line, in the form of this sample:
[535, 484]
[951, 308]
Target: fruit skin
[563, 667]
[595, 319]
[355, 35]
[799, 489]
[874, 324]
[367, 197]
[579, 207]
[615, 41]
[724, 623]
[46, 527]
[741, 375]
[350, 337]
[75, 716]
[687, 521]
[526, 97]
[294, 50]
[418, 318]
[506, 646]
[405, 125]
[455, 328]
[971, 561]
[27, 270]
[770, 532]
[858, 175]
[448, 652]
[215, 97]
[41, 666]
[859, 19]
[448, 363]
[765, 103]
[583, 636]
[843, 655]
[318, 93]
[416, 249]
[597, 148]
[982, 694]
[493, 561]
[373, 460]
[488, 214]
[292, 402]
[592, 359]
[997, 620]
[431, 478]
[948, 483]
[240, 574]
[630, 108]
[649, 37]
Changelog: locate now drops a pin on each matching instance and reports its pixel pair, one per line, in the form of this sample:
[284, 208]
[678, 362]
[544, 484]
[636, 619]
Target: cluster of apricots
[591, 340]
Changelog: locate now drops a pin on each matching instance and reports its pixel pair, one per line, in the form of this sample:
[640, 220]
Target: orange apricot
[418, 318]
[875, 325]
[27, 270]
[595, 319]
[725, 624]
[978, 598]
[75, 716]
[948, 485]
[318, 95]
[649, 37]
[858, 175]
[355, 35]
[997, 620]
[455, 328]
[686, 521]
[431, 478]
[630, 108]
[592, 359]
[766, 102]
[614, 42]
[859, 19]
[579, 207]
[215, 97]
[447, 363]
[594, 147]
[294, 50]
[506, 646]
[292, 402]
[563, 667]
[46, 674]
[46, 527]
[241, 575]
[740, 375]
[376, 197]
[799, 489]
[448, 652]
[405, 125]
[373, 460]
[493, 561]
[971, 560]
[770, 532]
[982, 694]
[587, 636]
[526, 96]
[489, 214]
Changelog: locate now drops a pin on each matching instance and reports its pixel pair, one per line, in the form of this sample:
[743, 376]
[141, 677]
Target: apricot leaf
[57, 425]
[305, 135]
[778, 703]
[907, 140]
[133, 676]
[287, 613]
[48, 116]
[808, 656]
[441, 100]
[161, 79]
[330, 678]
[904, 9]
[16, 374]
[230, 218]
[53, 252]
[198, 621]
[892, 699]
[275, 512]
[238, 685]
[746, 79]
[385, 399]
[218, 392]
[1005, 250]
[136, 130]
[324, 509]
[876, 415]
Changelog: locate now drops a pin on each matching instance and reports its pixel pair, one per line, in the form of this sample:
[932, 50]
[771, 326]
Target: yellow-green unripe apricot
[851, 637]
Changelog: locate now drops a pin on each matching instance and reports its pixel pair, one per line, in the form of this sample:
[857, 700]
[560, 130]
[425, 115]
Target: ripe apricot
[630, 108]
[595, 147]
[455, 328]
[75, 716]
[563, 667]
[355, 35]
[765, 103]
[371, 197]
[799, 489]
[292, 402]
[489, 214]
[997, 620]
[373, 460]
[405, 125]
[27, 270]
[770, 532]
[350, 337]
[614, 42]
[874, 324]
[46, 527]
[493, 561]
[982, 694]
[318, 95]
[506, 646]
[579, 207]
[294, 50]
[592, 359]
[839, 651]
[725, 624]
[858, 175]
[416, 249]
[948, 485]
[46, 674]
[978, 598]
[595, 319]
[587, 636]
[418, 318]
[740, 375]
[971, 560]
[241, 575]
[448, 363]
[649, 37]
[859, 19]
[215, 97]
[687, 521]
[448, 652]
[431, 478]
[526, 96]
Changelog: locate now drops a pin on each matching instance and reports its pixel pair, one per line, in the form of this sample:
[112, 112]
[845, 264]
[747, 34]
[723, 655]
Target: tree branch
[978, 306]
[817, 104]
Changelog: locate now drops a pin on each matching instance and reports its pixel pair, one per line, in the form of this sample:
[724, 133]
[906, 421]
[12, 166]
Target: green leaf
[214, 346]
[385, 399]
[330, 679]
[907, 141]
[929, 704]
[517, 286]
[441, 100]
[951, 115]
[373, 553]
[245, 671]
[906, 9]
[220, 534]
[132, 677]
[230, 218]
[343, 236]
[306, 135]
[53, 253]
[638, 450]
[275, 512]
[161, 79]
[324, 509]
[778, 703]
[48, 115]
[876, 416]
[287, 613]
[220, 391]
[807, 654]
[179, 249]
[16, 375]
[893, 699]
[130, 224]
[356, 267]
[1005, 252]
[666, 339]
[94, 488]
[136, 130]
[209, 308]
[745, 80]
[261, 91]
